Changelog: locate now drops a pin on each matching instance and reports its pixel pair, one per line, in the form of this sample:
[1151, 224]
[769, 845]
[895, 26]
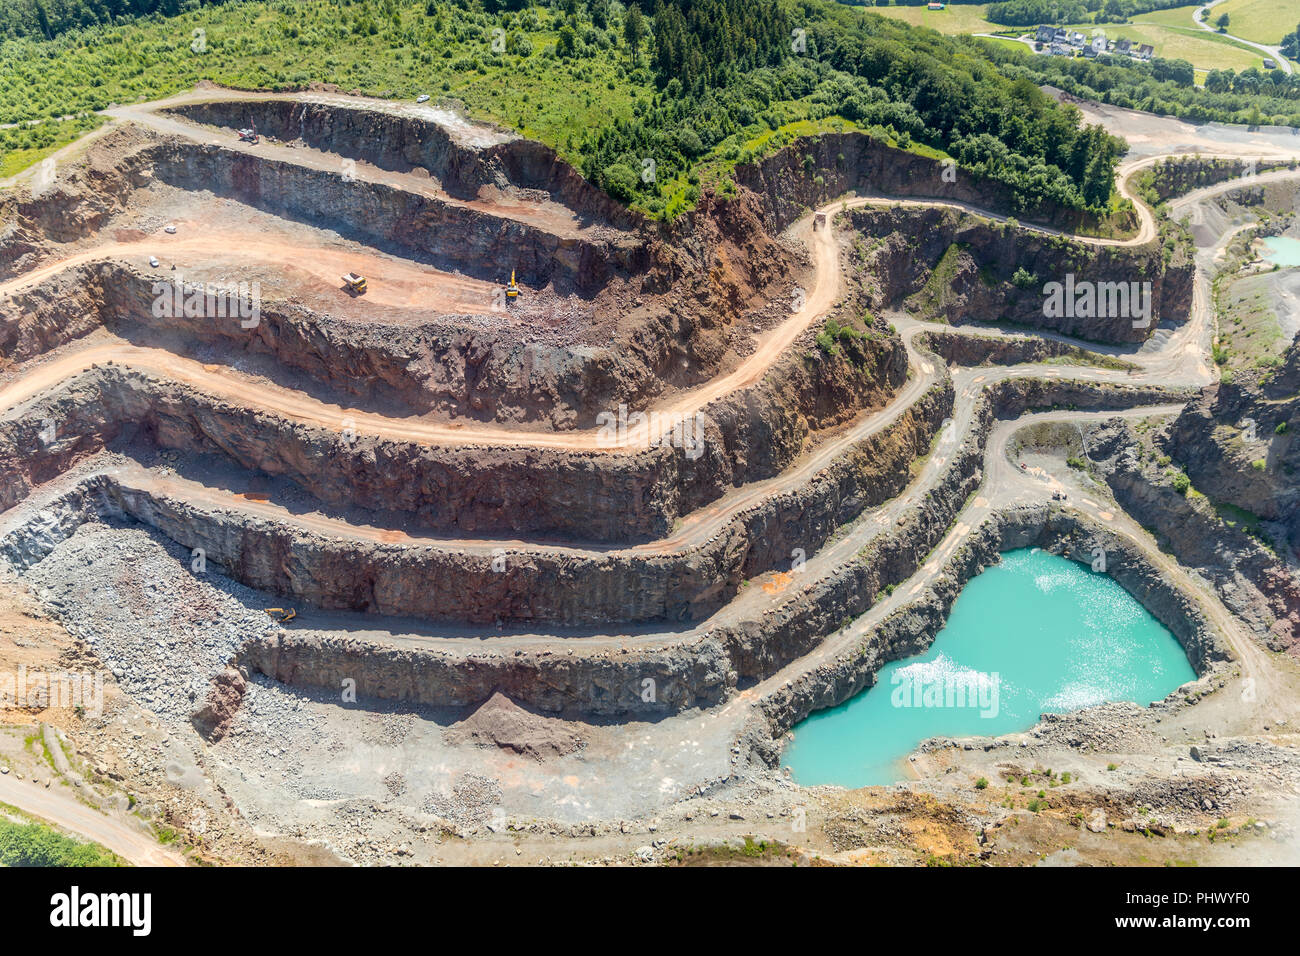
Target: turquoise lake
[1282, 251]
[1034, 634]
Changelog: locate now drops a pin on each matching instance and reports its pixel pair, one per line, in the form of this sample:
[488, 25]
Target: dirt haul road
[397, 282]
[471, 296]
[825, 289]
[548, 216]
[226, 383]
[131, 844]
[692, 530]
[1180, 357]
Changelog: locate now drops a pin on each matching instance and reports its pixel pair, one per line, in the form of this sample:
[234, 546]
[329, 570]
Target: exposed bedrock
[455, 366]
[639, 684]
[590, 496]
[442, 365]
[78, 203]
[1253, 582]
[449, 235]
[950, 266]
[966, 349]
[708, 282]
[534, 585]
[403, 143]
[760, 648]
[912, 628]
[1237, 442]
[695, 673]
[220, 707]
[724, 655]
[61, 309]
[843, 162]
[468, 489]
[1183, 174]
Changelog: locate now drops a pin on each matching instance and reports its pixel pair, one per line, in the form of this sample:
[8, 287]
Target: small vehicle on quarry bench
[355, 284]
[249, 136]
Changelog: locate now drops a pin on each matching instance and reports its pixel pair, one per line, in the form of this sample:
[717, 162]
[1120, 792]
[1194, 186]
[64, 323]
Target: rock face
[697, 671]
[843, 162]
[593, 495]
[503, 724]
[454, 237]
[1251, 581]
[463, 160]
[1182, 174]
[582, 684]
[750, 434]
[226, 693]
[947, 265]
[59, 310]
[469, 367]
[669, 306]
[760, 648]
[80, 202]
[453, 365]
[532, 584]
[965, 349]
[1237, 442]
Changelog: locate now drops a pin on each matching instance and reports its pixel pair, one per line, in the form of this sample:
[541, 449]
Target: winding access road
[825, 289]
[130, 842]
[1199, 16]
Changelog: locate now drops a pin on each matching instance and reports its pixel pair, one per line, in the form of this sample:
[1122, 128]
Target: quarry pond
[1034, 634]
[1282, 251]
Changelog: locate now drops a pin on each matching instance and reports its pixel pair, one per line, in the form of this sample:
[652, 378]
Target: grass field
[1264, 21]
[961, 18]
[1008, 43]
[25, 841]
[1180, 17]
[1171, 33]
[1248, 326]
[1179, 20]
[27, 145]
[1205, 51]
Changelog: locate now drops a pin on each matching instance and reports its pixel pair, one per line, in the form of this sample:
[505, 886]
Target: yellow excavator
[282, 614]
[512, 290]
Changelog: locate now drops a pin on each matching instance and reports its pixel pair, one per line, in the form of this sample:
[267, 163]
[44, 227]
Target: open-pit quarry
[435, 572]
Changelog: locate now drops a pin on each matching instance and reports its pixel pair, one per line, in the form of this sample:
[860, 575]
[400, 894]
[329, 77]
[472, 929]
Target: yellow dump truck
[354, 283]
